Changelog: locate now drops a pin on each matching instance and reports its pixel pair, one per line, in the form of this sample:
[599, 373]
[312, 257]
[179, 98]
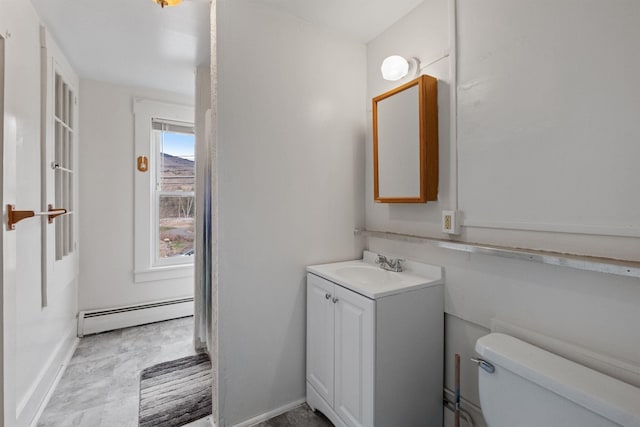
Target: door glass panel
[63, 164]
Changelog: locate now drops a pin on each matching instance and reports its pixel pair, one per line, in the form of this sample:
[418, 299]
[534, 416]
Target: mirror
[405, 143]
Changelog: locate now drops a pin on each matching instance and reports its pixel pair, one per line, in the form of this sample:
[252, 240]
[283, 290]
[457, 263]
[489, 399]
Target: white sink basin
[368, 274]
[368, 279]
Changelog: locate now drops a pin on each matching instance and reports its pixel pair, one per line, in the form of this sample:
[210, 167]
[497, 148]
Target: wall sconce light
[164, 3]
[395, 67]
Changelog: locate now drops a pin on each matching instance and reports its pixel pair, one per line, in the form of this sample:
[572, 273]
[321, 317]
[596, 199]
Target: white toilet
[524, 386]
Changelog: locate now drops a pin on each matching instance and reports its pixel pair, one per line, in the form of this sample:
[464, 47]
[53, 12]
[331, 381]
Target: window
[174, 192]
[164, 192]
[63, 118]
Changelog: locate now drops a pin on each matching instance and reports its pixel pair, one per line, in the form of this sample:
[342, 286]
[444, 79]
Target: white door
[354, 357]
[320, 318]
[27, 175]
[7, 252]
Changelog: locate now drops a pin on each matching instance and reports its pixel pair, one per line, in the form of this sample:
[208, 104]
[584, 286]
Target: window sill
[163, 273]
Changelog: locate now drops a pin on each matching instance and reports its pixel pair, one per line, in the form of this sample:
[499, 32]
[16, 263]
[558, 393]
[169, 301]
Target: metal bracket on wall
[578, 262]
[14, 216]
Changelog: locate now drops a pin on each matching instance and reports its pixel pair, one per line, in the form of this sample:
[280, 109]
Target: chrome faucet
[389, 264]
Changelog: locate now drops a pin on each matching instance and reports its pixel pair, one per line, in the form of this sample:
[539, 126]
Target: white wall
[591, 310]
[503, 53]
[291, 131]
[548, 107]
[107, 199]
[566, 144]
[422, 34]
[37, 338]
[535, 106]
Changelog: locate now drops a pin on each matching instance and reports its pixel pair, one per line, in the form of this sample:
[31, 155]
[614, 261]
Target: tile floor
[302, 416]
[100, 386]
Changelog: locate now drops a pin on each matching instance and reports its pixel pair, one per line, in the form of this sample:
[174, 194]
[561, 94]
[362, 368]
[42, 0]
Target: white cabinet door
[320, 326]
[354, 341]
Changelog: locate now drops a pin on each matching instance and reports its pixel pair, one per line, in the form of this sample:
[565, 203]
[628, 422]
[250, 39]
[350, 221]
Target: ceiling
[131, 42]
[137, 43]
[361, 19]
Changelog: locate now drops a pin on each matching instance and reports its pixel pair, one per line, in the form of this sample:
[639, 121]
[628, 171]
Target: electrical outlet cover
[449, 222]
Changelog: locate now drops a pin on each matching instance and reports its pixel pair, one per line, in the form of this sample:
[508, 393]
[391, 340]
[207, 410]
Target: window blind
[171, 126]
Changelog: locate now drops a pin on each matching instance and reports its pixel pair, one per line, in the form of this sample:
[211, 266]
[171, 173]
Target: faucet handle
[398, 264]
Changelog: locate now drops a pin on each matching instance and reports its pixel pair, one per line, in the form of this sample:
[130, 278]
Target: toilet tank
[531, 387]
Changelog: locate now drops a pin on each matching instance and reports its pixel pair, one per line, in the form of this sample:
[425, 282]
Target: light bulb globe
[394, 68]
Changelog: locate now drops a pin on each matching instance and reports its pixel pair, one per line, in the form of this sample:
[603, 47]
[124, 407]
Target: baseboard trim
[56, 381]
[30, 408]
[109, 319]
[274, 413]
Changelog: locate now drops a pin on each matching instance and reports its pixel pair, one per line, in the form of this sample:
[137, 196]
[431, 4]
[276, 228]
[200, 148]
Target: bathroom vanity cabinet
[375, 361]
[340, 350]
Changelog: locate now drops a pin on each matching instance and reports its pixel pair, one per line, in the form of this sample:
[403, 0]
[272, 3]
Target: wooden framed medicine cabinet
[405, 143]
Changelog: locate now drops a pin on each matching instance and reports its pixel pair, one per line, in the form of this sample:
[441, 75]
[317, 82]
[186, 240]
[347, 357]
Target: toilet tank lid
[599, 393]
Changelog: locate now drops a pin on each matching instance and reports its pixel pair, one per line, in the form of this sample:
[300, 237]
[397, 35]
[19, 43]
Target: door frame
[2, 231]
[7, 254]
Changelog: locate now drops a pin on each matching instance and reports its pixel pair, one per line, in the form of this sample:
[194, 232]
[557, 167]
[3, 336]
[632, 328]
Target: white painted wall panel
[548, 115]
[460, 337]
[423, 34]
[291, 185]
[36, 338]
[107, 200]
[503, 193]
[591, 310]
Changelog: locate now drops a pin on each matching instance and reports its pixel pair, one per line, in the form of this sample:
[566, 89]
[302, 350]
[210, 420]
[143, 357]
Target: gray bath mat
[175, 393]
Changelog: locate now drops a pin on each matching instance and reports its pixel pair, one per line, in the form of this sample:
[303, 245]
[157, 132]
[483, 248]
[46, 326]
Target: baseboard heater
[95, 321]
